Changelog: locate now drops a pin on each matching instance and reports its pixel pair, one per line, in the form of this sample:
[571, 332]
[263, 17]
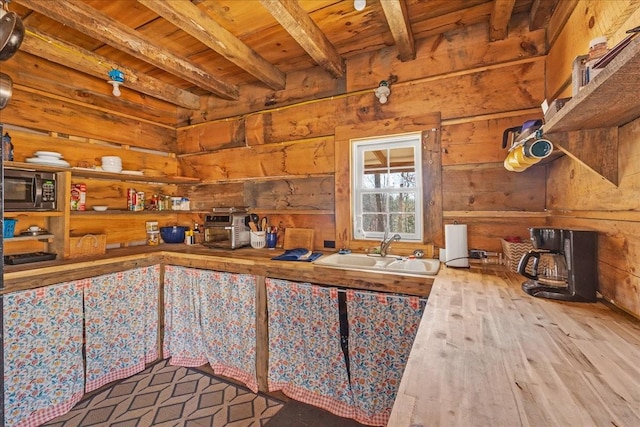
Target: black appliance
[564, 264]
[28, 190]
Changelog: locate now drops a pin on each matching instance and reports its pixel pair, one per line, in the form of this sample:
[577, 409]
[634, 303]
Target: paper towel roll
[455, 237]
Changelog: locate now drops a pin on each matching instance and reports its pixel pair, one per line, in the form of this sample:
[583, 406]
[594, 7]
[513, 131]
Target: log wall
[579, 198]
[280, 161]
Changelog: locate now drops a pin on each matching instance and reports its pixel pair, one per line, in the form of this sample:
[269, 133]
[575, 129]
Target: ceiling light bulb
[382, 92]
[116, 87]
[359, 4]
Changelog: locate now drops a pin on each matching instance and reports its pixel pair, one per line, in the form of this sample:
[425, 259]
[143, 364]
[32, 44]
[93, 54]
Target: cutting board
[298, 238]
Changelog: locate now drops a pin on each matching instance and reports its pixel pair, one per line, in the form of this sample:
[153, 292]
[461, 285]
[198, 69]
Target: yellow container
[153, 238]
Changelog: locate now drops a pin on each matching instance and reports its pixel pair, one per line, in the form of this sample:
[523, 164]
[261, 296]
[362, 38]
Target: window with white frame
[387, 187]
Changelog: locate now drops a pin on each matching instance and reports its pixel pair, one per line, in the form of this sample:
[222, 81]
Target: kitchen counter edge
[243, 260]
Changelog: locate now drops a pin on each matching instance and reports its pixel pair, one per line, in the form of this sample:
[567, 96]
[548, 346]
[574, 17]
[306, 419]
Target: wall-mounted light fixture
[116, 79]
[383, 91]
[359, 4]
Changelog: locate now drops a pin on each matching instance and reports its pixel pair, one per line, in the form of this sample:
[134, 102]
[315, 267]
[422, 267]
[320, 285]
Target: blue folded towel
[298, 254]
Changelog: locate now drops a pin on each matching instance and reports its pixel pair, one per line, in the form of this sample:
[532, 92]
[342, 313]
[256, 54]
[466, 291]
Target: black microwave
[26, 190]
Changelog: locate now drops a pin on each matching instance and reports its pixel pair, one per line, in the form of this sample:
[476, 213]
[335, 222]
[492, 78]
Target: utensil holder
[258, 240]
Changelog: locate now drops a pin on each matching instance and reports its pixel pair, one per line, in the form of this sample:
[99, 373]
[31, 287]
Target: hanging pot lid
[11, 34]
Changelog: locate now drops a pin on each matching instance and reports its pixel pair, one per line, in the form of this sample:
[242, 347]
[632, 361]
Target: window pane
[373, 222]
[375, 180]
[403, 179]
[402, 202]
[402, 157]
[374, 202]
[402, 223]
[375, 158]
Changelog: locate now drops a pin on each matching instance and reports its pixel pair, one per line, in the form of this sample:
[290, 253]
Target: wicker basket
[87, 245]
[513, 252]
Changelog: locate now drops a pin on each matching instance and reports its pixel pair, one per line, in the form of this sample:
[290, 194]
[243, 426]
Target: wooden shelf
[291, 211]
[25, 238]
[105, 175]
[609, 100]
[128, 212]
[586, 128]
[33, 214]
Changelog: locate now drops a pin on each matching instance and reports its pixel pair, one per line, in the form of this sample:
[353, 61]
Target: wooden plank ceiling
[178, 51]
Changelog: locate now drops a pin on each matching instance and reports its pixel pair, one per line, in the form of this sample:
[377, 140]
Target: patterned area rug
[165, 395]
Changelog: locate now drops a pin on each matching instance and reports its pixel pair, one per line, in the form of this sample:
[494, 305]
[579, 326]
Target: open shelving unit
[586, 128]
[59, 223]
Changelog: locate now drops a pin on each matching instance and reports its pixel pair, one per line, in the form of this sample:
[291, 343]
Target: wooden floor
[486, 353]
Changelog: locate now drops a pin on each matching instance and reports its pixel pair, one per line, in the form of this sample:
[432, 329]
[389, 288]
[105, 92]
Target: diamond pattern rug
[168, 396]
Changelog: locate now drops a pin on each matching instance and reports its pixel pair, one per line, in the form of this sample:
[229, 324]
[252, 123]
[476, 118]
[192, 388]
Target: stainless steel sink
[388, 264]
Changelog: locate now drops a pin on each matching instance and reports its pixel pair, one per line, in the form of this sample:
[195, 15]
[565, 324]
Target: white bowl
[112, 160]
[100, 208]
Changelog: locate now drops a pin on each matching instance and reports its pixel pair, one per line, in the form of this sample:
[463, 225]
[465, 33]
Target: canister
[176, 203]
[153, 238]
[78, 197]
[132, 199]
[139, 201]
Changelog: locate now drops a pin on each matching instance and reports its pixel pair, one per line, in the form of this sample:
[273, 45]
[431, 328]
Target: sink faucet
[386, 243]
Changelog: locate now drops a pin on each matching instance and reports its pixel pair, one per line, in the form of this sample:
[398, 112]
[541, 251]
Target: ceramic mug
[272, 239]
[537, 149]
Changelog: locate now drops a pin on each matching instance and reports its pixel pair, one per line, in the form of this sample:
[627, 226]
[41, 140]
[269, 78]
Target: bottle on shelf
[7, 147]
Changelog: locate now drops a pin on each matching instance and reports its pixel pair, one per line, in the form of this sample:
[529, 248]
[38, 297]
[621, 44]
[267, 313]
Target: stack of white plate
[111, 164]
[48, 158]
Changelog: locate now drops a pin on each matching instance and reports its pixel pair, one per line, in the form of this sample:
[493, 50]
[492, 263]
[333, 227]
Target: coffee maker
[564, 264]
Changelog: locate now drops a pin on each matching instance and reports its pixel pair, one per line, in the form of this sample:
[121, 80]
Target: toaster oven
[226, 230]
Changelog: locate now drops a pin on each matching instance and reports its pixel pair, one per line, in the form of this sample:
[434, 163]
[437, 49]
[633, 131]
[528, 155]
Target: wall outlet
[329, 243]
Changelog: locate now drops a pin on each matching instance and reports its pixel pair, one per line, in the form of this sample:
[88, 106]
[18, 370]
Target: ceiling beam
[59, 51]
[500, 16]
[396, 13]
[81, 17]
[195, 22]
[299, 24]
[453, 20]
[541, 11]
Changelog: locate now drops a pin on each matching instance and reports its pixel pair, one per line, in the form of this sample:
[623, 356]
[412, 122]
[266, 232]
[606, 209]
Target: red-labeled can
[132, 199]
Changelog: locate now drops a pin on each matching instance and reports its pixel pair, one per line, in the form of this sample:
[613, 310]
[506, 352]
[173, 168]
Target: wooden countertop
[488, 354]
[244, 260]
